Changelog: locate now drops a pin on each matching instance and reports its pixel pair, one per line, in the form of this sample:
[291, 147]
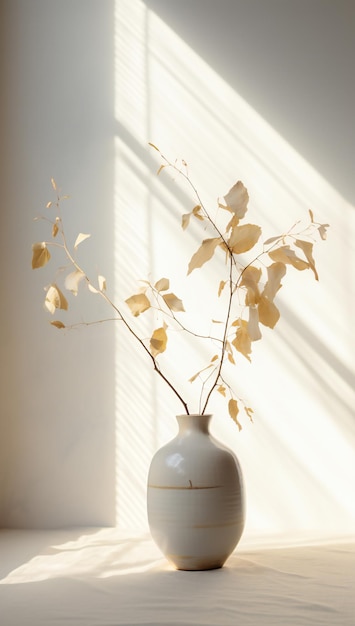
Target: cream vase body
[195, 497]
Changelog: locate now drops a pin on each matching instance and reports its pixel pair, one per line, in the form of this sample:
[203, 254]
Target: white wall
[291, 60]
[257, 90]
[57, 414]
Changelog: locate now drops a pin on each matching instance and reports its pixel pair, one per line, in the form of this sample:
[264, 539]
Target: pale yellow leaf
[272, 240]
[40, 255]
[253, 324]
[214, 358]
[193, 378]
[92, 288]
[49, 204]
[72, 281]
[153, 146]
[323, 231]
[160, 169]
[234, 221]
[196, 212]
[204, 253]
[162, 284]
[242, 341]
[249, 412]
[311, 215]
[102, 282]
[55, 229]
[231, 358]
[307, 248]
[244, 238]
[269, 314]
[54, 184]
[58, 324]
[55, 299]
[233, 412]
[138, 303]
[229, 348]
[80, 238]
[250, 279]
[222, 285]
[185, 220]
[158, 341]
[222, 390]
[237, 199]
[173, 302]
[275, 272]
[285, 254]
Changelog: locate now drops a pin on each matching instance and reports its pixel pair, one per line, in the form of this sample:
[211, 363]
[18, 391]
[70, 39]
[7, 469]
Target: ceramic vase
[195, 497]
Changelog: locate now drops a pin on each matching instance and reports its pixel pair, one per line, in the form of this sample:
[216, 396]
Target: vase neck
[194, 422]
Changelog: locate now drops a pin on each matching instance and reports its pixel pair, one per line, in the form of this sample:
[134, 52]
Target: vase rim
[194, 415]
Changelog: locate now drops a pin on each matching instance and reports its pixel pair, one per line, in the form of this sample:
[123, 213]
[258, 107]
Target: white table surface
[109, 577]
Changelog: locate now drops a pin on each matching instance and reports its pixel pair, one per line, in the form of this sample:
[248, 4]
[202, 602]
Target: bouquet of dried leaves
[249, 288]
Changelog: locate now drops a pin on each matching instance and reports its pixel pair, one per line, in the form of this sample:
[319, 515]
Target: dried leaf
[250, 279]
[160, 169]
[222, 285]
[307, 248]
[102, 282]
[237, 199]
[249, 412]
[55, 299]
[49, 204]
[193, 378]
[40, 255]
[231, 358]
[311, 215]
[54, 184]
[222, 390]
[72, 281]
[242, 341]
[158, 341]
[55, 230]
[323, 231]
[58, 324]
[80, 238]
[268, 312]
[138, 303]
[153, 146]
[244, 238]
[285, 254]
[204, 253]
[253, 324]
[275, 272]
[173, 302]
[162, 284]
[232, 223]
[272, 240]
[233, 412]
[196, 212]
[92, 288]
[185, 220]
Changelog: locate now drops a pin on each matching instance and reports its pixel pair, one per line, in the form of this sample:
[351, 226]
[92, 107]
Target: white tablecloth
[106, 577]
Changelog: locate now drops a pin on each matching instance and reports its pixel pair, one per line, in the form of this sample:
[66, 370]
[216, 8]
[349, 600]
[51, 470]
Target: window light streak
[94, 554]
[303, 427]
